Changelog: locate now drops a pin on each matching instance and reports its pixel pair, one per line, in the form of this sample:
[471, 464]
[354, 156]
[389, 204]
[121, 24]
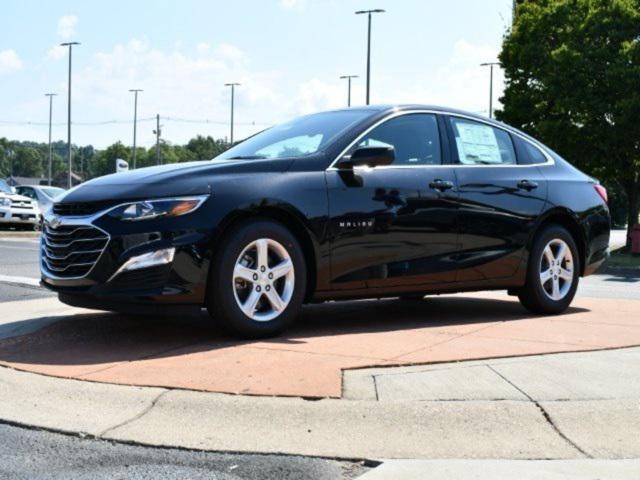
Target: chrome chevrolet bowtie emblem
[54, 222]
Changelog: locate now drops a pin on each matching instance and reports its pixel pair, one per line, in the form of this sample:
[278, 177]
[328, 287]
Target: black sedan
[365, 202]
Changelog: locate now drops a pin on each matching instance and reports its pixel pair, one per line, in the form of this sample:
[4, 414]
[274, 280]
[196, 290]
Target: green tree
[206, 148]
[104, 162]
[573, 80]
[27, 162]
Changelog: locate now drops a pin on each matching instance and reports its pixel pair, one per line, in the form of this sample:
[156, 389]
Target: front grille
[70, 251]
[79, 209]
[21, 204]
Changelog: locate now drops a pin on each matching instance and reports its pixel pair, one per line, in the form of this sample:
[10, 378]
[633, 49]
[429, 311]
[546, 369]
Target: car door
[395, 225]
[501, 194]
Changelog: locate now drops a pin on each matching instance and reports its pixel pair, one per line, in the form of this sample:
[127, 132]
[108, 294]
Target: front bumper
[180, 282]
[24, 216]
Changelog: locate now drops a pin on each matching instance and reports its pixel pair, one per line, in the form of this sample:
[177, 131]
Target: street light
[50, 95]
[369, 12]
[70, 45]
[348, 77]
[490, 65]
[233, 86]
[135, 121]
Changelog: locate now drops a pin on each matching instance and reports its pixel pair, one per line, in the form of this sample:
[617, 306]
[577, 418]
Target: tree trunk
[633, 208]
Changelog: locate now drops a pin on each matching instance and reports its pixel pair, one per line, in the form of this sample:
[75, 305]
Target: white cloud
[56, 52]
[460, 83]
[67, 25]
[292, 4]
[315, 95]
[203, 47]
[9, 61]
[180, 83]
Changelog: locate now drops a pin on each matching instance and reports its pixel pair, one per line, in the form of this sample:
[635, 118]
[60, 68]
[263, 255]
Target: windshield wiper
[247, 157]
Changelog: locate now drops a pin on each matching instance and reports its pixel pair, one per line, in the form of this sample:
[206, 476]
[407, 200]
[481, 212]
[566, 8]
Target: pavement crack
[545, 414]
[375, 387]
[138, 416]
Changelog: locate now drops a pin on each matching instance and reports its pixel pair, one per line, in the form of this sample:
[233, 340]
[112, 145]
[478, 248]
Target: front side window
[481, 144]
[302, 136]
[414, 137]
[4, 187]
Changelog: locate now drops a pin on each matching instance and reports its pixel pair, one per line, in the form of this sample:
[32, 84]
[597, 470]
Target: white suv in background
[18, 210]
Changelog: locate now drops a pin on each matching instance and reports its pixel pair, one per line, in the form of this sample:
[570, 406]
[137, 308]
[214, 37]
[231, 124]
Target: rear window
[481, 144]
[528, 154]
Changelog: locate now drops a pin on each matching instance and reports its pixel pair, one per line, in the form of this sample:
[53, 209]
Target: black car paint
[366, 233]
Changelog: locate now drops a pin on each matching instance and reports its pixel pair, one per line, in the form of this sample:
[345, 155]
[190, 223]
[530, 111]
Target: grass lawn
[623, 258]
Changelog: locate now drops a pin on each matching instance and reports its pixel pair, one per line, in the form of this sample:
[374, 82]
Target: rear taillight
[602, 192]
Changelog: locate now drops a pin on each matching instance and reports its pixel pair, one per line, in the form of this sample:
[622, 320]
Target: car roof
[390, 108]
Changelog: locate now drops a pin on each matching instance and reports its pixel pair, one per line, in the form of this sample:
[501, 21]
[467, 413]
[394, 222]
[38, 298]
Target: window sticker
[477, 144]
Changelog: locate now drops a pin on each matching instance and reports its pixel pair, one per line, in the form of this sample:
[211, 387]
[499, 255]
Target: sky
[287, 55]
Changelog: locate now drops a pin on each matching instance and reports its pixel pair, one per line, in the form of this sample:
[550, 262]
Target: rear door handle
[441, 185]
[527, 185]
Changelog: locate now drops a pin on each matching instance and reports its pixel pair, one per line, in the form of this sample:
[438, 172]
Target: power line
[125, 122]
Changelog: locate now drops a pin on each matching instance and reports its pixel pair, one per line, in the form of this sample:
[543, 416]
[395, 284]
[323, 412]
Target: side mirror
[369, 157]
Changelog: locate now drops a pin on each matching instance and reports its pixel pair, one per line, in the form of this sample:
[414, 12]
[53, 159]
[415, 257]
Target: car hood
[178, 179]
[15, 196]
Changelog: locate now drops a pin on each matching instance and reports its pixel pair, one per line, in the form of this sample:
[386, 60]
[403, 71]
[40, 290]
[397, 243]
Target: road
[28, 454]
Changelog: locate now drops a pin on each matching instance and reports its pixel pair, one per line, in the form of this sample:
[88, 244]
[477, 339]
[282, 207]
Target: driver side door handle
[441, 185]
[527, 185]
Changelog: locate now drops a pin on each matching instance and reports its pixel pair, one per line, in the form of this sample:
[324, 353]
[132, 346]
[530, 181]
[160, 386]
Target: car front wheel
[553, 272]
[258, 280]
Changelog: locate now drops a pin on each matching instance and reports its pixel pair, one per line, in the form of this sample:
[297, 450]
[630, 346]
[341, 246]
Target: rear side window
[528, 154]
[481, 144]
[415, 139]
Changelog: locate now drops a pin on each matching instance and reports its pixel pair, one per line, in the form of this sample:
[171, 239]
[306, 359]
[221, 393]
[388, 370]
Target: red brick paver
[308, 359]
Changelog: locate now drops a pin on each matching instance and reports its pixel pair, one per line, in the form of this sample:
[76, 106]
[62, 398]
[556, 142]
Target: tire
[228, 292]
[553, 292]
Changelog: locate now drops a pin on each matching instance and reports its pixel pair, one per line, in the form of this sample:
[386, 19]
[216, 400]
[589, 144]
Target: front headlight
[5, 202]
[164, 207]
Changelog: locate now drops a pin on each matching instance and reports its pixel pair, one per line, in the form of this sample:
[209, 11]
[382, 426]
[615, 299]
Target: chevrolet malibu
[383, 201]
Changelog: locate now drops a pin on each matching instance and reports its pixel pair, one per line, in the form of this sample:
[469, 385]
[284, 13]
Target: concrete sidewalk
[505, 470]
[542, 407]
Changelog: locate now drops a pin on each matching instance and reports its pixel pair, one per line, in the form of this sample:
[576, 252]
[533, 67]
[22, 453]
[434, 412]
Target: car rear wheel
[553, 272]
[258, 279]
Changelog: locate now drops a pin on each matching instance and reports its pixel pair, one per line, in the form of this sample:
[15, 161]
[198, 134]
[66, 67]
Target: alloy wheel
[263, 279]
[556, 269]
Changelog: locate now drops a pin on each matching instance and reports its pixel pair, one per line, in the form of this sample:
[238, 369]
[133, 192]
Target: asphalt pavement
[38, 454]
[19, 257]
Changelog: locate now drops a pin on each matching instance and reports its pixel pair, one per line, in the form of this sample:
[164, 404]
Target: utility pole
[70, 45]
[157, 132]
[233, 86]
[369, 12]
[135, 121]
[490, 65]
[348, 77]
[50, 95]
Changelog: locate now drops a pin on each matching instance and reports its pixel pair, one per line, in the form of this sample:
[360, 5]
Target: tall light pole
[135, 121]
[369, 12]
[348, 77]
[50, 95]
[490, 65]
[70, 45]
[233, 87]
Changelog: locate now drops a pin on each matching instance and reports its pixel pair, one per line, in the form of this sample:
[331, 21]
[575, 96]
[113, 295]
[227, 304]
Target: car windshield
[4, 187]
[301, 136]
[52, 192]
